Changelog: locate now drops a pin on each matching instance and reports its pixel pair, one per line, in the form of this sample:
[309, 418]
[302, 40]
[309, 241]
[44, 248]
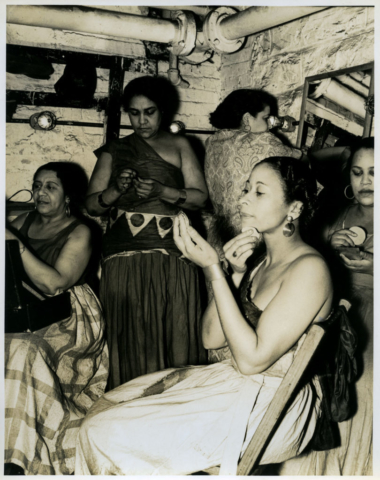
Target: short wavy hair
[230, 112]
[299, 184]
[74, 181]
[158, 89]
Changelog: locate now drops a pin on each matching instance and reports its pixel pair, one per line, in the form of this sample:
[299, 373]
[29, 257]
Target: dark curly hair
[230, 112]
[299, 184]
[74, 181]
[158, 89]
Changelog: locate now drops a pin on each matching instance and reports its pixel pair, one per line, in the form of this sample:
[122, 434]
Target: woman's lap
[52, 377]
[185, 428]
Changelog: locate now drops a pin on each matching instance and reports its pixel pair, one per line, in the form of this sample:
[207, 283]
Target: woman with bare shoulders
[210, 415]
[54, 374]
[149, 293]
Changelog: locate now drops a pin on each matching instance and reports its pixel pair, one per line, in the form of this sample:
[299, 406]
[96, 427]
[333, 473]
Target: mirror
[337, 108]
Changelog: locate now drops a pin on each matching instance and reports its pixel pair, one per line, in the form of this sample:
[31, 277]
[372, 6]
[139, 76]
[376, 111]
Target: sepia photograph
[188, 271]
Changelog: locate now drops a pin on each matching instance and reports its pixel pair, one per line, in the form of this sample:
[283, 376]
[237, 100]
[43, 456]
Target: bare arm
[69, 267]
[195, 183]
[100, 183]
[304, 296]
[305, 293]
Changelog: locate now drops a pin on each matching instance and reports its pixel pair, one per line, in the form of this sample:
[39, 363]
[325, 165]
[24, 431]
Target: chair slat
[280, 400]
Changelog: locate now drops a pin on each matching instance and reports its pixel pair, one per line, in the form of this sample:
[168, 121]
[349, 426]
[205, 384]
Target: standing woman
[243, 140]
[149, 293]
[353, 279]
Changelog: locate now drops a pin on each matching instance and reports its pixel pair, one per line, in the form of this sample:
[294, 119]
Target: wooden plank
[367, 131]
[112, 113]
[268, 423]
[50, 100]
[60, 56]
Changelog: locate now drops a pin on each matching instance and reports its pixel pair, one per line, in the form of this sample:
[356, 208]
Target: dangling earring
[289, 227]
[247, 127]
[345, 194]
[68, 213]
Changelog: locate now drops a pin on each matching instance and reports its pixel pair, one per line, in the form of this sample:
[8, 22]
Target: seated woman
[208, 418]
[352, 269]
[54, 375]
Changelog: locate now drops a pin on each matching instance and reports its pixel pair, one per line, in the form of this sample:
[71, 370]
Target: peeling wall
[279, 59]
[27, 149]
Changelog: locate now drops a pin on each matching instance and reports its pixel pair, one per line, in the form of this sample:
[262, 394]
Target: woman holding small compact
[149, 292]
[350, 239]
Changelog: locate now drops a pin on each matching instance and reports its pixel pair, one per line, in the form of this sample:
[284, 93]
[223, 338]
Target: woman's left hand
[146, 187]
[191, 244]
[364, 265]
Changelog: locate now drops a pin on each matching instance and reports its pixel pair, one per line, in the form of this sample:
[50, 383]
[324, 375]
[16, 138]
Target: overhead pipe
[340, 95]
[179, 34]
[224, 28]
[174, 74]
[352, 83]
[202, 11]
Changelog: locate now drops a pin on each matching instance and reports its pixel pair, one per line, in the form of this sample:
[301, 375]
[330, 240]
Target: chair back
[280, 400]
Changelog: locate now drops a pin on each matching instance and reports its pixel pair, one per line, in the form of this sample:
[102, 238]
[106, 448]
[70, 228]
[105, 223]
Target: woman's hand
[191, 244]
[124, 180]
[146, 187]
[364, 265]
[342, 238]
[239, 249]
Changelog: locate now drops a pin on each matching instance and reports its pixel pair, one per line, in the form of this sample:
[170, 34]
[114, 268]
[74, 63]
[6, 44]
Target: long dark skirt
[152, 308]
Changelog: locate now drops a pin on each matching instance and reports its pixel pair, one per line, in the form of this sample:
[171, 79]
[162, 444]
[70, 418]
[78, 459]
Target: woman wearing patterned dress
[242, 140]
[54, 375]
[149, 292]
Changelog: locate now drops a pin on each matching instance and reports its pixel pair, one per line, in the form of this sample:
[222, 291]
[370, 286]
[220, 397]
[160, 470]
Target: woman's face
[362, 176]
[259, 123]
[48, 194]
[263, 204]
[145, 116]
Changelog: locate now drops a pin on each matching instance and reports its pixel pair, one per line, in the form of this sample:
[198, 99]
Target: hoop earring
[289, 227]
[68, 213]
[345, 194]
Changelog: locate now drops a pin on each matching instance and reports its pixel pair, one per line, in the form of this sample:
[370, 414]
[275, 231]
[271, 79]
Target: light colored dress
[204, 420]
[354, 456]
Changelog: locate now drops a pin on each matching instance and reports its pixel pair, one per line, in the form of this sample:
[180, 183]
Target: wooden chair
[280, 401]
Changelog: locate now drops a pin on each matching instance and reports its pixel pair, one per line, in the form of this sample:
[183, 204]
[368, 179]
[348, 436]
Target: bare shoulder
[81, 233]
[179, 141]
[310, 265]
[19, 221]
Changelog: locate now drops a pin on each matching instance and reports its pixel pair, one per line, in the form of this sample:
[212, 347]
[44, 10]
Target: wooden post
[115, 90]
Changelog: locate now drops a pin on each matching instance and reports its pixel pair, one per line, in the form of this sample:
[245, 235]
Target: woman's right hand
[239, 249]
[124, 180]
[342, 238]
